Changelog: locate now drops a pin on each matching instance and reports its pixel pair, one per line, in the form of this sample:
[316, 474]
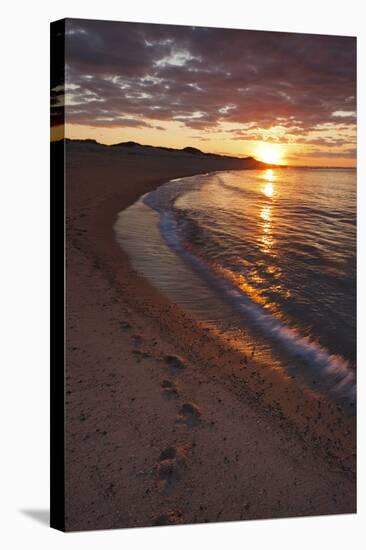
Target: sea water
[269, 251]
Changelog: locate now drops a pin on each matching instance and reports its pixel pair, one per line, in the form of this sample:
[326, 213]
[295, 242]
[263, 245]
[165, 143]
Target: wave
[303, 355]
[333, 370]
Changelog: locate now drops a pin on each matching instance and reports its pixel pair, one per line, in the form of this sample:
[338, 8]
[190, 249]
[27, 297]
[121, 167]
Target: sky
[280, 97]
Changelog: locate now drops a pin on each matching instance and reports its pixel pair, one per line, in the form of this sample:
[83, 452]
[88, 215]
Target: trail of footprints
[189, 414]
[173, 460]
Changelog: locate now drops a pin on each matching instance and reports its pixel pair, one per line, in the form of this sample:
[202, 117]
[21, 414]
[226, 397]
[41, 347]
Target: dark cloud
[125, 73]
[347, 154]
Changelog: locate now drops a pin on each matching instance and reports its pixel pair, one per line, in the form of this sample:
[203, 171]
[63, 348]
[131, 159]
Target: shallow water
[273, 250]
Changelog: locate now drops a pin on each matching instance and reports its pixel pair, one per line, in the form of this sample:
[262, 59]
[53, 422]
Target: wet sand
[164, 423]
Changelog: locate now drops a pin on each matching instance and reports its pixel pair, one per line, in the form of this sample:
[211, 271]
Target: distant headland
[133, 147]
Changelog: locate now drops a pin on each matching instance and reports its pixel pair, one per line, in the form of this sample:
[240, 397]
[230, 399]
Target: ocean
[269, 253]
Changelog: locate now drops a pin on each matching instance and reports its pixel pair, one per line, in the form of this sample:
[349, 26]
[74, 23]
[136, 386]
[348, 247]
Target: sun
[270, 153]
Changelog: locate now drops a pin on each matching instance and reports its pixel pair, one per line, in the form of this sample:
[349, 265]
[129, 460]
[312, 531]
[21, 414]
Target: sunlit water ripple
[274, 248]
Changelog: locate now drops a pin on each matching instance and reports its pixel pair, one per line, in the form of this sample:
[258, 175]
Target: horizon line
[203, 152]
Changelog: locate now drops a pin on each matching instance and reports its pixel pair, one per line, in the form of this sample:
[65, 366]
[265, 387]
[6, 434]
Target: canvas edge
[57, 308]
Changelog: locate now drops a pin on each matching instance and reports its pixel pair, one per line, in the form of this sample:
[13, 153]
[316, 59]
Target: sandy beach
[164, 423]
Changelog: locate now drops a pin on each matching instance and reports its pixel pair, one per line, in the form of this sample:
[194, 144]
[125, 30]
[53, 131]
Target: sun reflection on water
[266, 236]
[266, 213]
[268, 189]
[269, 175]
[266, 239]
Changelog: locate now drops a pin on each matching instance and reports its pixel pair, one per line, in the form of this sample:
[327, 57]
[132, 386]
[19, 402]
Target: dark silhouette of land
[132, 147]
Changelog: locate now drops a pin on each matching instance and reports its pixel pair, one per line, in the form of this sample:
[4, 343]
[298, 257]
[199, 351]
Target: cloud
[205, 78]
[346, 154]
[344, 114]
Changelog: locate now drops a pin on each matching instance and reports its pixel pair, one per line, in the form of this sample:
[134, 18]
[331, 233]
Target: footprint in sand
[171, 467]
[169, 389]
[170, 518]
[140, 354]
[175, 363]
[189, 414]
[137, 339]
[125, 325]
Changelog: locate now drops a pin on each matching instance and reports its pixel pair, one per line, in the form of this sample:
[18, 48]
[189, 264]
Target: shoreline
[185, 381]
[138, 232]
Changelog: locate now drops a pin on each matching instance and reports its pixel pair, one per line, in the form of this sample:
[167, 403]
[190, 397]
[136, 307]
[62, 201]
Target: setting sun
[270, 153]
